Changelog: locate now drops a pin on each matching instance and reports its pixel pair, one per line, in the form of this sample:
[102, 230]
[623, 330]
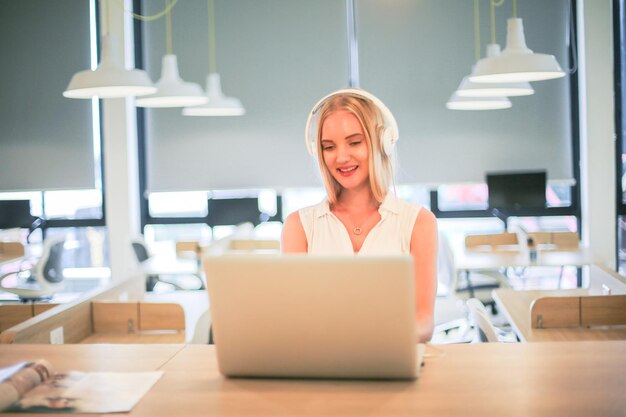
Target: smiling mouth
[347, 170]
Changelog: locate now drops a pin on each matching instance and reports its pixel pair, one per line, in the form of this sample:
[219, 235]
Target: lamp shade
[468, 88]
[172, 91]
[478, 103]
[110, 79]
[517, 63]
[219, 104]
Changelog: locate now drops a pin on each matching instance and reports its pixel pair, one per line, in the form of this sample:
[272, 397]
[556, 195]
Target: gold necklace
[357, 230]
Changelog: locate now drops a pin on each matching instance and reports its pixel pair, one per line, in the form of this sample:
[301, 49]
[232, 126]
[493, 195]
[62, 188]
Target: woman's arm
[424, 251]
[293, 239]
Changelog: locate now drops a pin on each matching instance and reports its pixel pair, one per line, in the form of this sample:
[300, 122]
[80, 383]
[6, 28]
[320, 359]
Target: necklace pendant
[357, 230]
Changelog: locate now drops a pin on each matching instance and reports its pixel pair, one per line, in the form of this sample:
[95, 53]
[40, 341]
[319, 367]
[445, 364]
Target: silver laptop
[305, 316]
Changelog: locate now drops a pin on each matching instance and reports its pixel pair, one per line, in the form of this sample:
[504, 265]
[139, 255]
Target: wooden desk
[518, 256]
[136, 338]
[457, 380]
[516, 307]
[15, 313]
[468, 260]
[114, 358]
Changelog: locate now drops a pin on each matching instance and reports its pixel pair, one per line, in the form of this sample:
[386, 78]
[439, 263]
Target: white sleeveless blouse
[326, 235]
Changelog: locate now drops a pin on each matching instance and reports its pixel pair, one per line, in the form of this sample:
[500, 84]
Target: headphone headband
[389, 135]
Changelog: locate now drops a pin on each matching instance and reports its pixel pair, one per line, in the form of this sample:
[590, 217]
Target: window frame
[619, 61]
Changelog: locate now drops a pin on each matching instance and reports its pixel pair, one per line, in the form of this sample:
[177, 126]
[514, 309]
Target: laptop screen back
[313, 317]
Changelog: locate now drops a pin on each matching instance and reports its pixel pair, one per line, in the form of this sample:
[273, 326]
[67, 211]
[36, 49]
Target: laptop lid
[307, 316]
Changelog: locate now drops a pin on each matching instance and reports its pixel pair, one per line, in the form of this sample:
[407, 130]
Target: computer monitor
[15, 213]
[516, 190]
[232, 211]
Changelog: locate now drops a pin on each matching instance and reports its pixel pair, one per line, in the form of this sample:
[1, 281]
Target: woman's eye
[327, 147]
[355, 143]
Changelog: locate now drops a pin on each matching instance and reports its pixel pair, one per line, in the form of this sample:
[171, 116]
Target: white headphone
[389, 134]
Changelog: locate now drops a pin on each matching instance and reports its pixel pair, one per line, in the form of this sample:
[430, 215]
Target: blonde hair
[371, 119]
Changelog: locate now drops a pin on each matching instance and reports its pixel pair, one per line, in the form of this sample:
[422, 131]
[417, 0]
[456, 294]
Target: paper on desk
[93, 392]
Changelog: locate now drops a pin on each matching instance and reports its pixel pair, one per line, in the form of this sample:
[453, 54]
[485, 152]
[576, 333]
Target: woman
[354, 140]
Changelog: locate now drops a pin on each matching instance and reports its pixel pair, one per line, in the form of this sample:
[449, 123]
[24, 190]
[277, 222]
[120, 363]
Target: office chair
[203, 333]
[479, 317]
[41, 280]
[142, 254]
[486, 331]
[451, 322]
[480, 283]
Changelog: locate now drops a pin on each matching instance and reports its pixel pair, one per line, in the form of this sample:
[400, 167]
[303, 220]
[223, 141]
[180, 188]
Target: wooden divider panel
[40, 308]
[496, 239]
[161, 316]
[12, 314]
[546, 312]
[12, 248]
[115, 317]
[560, 240]
[584, 311]
[74, 318]
[603, 310]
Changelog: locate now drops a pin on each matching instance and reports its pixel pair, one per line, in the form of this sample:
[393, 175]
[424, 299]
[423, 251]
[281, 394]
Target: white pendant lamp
[468, 88]
[172, 91]
[218, 104]
[110, 79]
[478, 103]
[517, 63]
[483, 99]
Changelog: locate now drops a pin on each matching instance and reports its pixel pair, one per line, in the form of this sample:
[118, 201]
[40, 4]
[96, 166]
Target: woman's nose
[343, 154]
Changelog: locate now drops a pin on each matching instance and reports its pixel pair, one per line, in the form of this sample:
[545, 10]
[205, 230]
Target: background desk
[484, 259]
[516, 307]
[457, 380]
[169, 265]
[473, 260]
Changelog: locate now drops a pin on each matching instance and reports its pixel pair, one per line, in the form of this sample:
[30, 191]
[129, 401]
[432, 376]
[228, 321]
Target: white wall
[597, 128]
[121, 182]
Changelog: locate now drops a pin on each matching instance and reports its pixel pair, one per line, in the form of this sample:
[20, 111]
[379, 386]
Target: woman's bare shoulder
[293, 236]
[425, 225]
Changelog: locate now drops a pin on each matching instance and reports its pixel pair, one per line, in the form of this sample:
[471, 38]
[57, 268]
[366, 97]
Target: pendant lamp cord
[353, 47]
[476, 31]
[212, 43]
[493, 4]
[168, 28]
[143, 18]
